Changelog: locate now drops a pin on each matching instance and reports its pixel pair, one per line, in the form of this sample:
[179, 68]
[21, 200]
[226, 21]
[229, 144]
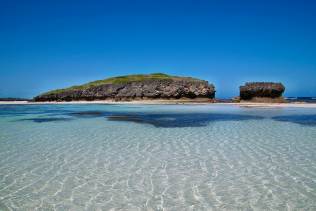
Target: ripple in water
[191, 158]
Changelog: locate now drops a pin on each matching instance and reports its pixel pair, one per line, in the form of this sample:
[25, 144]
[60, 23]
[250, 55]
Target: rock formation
[262, 92]
[135, 87]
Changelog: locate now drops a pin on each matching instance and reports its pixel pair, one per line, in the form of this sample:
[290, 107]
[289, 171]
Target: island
[262, 92]
[13, 99]
[135, 87]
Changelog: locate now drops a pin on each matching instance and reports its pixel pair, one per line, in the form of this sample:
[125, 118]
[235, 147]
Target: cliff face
[257, 90]
[147, 88]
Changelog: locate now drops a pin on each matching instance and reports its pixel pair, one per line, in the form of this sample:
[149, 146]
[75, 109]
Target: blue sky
[53, 44]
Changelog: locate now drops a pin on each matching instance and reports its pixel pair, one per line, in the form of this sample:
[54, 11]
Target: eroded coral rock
[262, 91]
[144, 87]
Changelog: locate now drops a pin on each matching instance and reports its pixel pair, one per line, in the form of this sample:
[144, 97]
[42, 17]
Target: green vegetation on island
[132, 87]
[122, 80]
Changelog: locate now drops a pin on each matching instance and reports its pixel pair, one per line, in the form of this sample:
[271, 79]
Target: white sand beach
[167, 102]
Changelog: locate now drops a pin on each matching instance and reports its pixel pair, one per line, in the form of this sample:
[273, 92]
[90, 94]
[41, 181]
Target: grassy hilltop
[122, 80]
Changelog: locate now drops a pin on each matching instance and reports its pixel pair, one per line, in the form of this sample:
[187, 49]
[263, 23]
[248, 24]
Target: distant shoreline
[168, 102]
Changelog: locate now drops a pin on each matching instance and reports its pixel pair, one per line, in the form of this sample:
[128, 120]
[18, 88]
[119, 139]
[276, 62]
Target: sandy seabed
[166, 157]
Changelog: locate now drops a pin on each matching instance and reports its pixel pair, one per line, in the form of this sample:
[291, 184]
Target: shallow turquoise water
[150, 157]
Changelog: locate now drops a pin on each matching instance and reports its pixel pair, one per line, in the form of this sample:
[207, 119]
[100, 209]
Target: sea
[157, 157]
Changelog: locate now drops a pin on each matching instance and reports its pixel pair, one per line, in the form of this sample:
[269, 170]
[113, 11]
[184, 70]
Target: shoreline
[168, 102]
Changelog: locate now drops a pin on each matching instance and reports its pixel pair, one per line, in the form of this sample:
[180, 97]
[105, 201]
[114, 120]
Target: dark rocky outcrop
[153, 86]
[262, 92]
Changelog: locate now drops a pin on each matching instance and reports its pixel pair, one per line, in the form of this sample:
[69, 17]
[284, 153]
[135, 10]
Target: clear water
[150, 157]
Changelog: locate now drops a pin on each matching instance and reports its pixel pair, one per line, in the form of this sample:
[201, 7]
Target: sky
[52, 44]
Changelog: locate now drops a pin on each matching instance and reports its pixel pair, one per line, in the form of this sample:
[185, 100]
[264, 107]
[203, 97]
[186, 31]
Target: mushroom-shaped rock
[266, 90]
